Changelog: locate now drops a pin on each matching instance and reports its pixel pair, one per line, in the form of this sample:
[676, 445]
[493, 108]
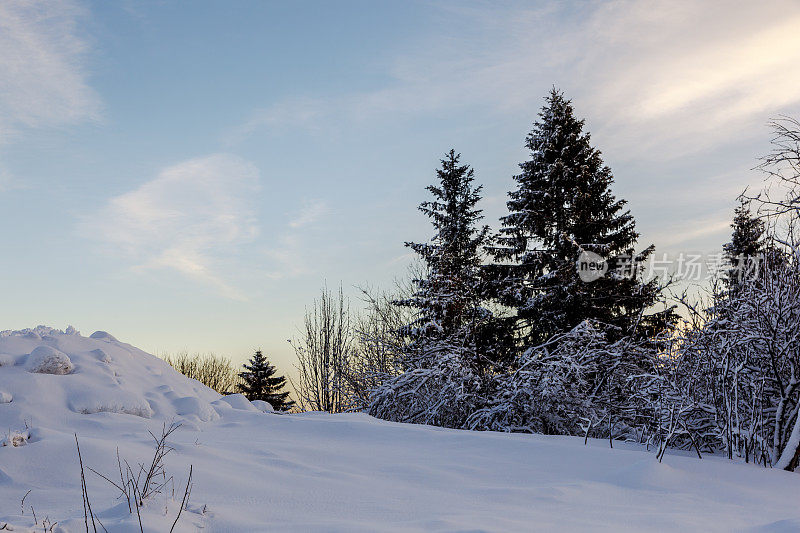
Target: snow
[16, 439]
[47, 360]
[235, 401]
[257, 471]
[102, 335]
[264, 407]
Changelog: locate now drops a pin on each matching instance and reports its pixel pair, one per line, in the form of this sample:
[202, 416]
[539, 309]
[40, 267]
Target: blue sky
[186, 175]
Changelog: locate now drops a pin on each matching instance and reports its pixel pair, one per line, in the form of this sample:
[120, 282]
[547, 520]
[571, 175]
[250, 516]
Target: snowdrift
[255, 470]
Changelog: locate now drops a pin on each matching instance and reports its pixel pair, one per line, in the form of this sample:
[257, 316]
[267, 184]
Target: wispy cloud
[688, 231]
[5, 179]
[658, 79]
[289, 255]
[312, 211]
[667, 79]
[190, 218]
[305, 111]
[287, 258]
[43, 76]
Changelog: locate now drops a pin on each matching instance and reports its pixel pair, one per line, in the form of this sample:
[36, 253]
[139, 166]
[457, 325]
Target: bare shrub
[137, 484]
[213, 371]
[378, 343]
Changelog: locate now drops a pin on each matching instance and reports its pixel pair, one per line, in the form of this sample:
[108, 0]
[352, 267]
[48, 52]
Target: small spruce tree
[260, 383]
[746, 247]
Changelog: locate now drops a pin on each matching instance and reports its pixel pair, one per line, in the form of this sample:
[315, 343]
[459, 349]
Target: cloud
[289, 255]
[656, 79]
[191, 218]
[306, 111]
[6, 182]
[688, 231]
[668, 79]
[42, 66]
[312, 211]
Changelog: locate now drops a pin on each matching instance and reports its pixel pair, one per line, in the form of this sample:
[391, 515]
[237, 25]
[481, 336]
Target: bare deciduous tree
[781, 195]
[323, 351]
[377, 346]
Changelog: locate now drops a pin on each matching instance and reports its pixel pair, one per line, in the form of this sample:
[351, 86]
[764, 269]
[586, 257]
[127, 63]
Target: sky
[188, 175]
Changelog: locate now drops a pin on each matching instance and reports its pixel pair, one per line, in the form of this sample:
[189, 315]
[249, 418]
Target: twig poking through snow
[185, 497]
[22, 503]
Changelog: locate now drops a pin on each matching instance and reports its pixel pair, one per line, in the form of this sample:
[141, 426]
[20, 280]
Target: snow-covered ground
[261, 471]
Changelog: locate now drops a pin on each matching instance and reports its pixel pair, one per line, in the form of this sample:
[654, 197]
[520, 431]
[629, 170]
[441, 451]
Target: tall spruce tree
[260, 383]
[746, 247]
[563, 206]
[446, 353]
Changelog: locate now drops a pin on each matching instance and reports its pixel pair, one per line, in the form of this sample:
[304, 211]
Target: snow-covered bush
[732, 379]
[444, 391]
[47, 360]
[574, 384]
[15, 439]
[378, 344]
[755, 344]
[672, 400]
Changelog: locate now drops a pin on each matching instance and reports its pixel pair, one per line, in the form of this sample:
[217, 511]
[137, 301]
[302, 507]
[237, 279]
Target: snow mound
[108, 393]
[47, 360]
[236, 401]
[109, 400]
[261, 405]
[194, 407]
[101, 355]
[103, 336]
[97, 375]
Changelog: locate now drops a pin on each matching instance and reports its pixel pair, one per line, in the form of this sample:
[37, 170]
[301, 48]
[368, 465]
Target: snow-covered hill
[260, 471]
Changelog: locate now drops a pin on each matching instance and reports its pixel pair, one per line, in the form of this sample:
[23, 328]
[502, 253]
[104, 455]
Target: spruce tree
[746, 247]
[563, 206]
[260, 383]
[446, 352]
[448, 300]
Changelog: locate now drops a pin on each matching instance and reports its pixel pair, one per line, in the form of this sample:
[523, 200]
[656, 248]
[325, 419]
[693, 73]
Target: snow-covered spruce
[446, 354]
[562, 206]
